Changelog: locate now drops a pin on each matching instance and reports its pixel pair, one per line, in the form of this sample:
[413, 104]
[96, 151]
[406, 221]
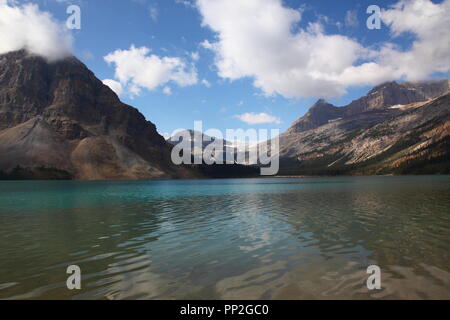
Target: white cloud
[167, 91]
[136, 69]
[257, 118]
[195, 56]
[26, 27]
[207, 45]
[430, 52]
[256, 39]
[206, 83]
[114, 85]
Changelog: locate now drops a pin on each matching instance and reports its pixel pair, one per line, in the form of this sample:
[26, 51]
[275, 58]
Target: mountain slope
[59, 121]
[381, 97]
[388, 138]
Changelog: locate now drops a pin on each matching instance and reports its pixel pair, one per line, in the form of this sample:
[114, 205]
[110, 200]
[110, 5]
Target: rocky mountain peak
[385, 86]
[319, 114]
[61, 106]
[381, 97]
[320, 104]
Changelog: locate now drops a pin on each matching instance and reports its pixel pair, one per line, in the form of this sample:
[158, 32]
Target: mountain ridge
[380, 97]
[384, 138]
[60, 117]
[58, 121]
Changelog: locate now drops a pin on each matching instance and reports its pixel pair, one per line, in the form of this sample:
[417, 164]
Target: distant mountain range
[397, 128]
[58, 121]
[204, 141]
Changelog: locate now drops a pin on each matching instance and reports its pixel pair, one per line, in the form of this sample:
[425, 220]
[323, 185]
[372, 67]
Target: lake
[268, 238]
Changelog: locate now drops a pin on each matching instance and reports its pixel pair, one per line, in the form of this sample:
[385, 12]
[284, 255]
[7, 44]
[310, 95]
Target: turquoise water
[293, 238]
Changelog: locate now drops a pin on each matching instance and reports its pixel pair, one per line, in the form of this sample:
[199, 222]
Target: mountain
[393, 93]
[319, 114]
[381, 97]
[214, 170]
[57, 120]
[205, 141]
[397, 128]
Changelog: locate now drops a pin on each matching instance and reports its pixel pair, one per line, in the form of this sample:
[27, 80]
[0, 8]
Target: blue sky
[177, 29]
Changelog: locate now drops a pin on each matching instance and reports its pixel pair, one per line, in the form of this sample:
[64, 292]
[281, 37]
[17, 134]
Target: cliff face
[319, 114]
[381, 97]
[58, 120]
[393, 93]
[394, 129]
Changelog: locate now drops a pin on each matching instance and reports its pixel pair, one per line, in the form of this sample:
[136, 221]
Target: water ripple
[227, 239]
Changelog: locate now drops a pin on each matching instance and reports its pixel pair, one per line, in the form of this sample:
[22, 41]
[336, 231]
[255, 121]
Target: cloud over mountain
[256, 39]
[27, 27]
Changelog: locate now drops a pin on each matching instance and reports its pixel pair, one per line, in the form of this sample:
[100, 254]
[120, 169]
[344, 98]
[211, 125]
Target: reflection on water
[226, 239]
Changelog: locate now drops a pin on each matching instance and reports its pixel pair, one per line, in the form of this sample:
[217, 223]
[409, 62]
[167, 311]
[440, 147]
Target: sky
[236, 64]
